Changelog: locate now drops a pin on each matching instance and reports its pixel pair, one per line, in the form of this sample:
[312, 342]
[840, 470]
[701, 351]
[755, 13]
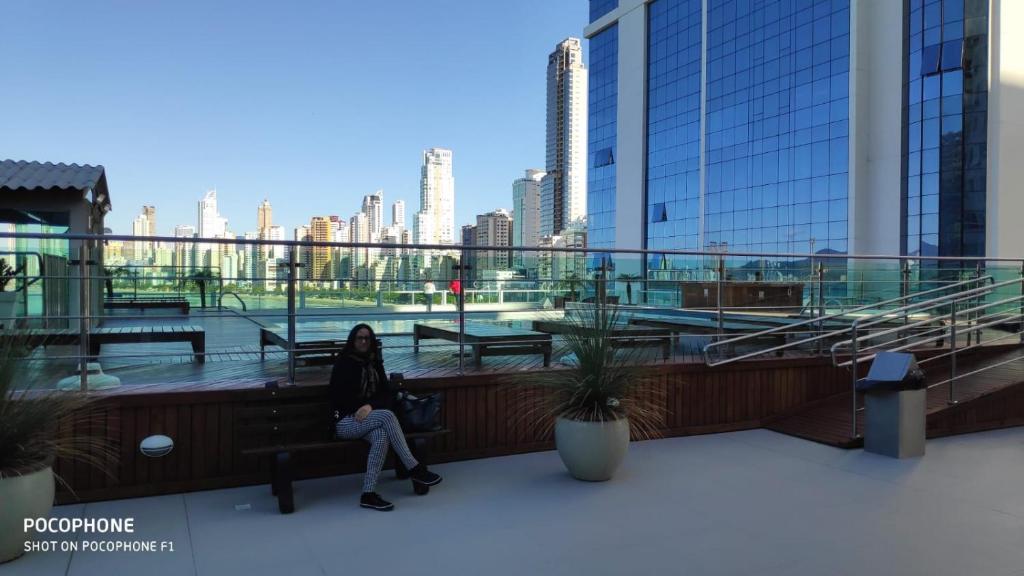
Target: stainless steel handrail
[973, 324]
[817, 320]
[296, 294]
[220, 301]
[944, 333]
[458, 247]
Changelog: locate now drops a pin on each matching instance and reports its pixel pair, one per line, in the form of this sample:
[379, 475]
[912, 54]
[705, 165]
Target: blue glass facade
[673, 124]
[776, 126]
[945, 122]
[777, 144]
[601, 139]
[599, 8]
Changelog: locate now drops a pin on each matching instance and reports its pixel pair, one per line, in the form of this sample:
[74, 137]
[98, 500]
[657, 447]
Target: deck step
[830, 421]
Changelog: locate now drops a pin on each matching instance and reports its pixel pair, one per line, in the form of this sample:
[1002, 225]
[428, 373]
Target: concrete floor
[743, 503]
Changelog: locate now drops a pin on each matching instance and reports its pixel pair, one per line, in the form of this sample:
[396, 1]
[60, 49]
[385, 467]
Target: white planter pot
[592, 451]
[8, 308]
[27, 496]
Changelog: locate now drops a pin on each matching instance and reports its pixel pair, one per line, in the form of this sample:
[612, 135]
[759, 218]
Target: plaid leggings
[381, 430]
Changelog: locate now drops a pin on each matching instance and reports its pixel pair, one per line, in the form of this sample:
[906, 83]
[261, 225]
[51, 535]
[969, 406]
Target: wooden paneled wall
[483, 415]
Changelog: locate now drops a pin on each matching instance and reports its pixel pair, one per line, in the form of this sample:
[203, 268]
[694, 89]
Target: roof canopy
[46, 177]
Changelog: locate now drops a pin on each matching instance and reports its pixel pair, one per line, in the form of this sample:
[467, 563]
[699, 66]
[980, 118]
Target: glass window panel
[913, 225]
[930, 136]
[952, 105]
[929, 225]
[659, 213]
[838, 155]
[916, 21]
[953, 83]
[932, 15]
[952, 54]
[932, 86]
[952, 125]
[930, 160]
[930, 59]
[952, 10]
[953, 30]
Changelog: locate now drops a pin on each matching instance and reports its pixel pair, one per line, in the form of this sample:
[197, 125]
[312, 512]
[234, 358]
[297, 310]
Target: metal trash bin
[894, 406]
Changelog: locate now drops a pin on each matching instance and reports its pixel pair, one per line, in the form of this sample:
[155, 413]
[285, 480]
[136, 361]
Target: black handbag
[420, 413]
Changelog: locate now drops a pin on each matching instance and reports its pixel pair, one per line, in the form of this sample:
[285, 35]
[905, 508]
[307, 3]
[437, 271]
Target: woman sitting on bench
[363, 399]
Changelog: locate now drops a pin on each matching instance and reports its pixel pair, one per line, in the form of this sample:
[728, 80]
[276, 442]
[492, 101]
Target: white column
[1004, 200]
[876, 126]
[631, 144]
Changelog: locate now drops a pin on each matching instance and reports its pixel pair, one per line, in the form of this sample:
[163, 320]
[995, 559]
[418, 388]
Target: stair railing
[964, 315]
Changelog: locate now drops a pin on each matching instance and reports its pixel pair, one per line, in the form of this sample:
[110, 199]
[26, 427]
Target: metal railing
[827, 278]
[818, 323]
[965, 316]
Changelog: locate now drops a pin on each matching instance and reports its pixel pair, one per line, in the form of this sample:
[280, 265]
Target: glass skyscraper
[796, 126]
[945, 119]
[601, 122]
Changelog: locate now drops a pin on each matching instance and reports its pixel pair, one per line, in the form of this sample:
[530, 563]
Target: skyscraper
[138, 250]
[184, 252]
[149, 212]
[564, 187]
[359, 231]
[264, 220]
[320, 229]
[861, 127]
[373, 207]
[143, 225]
[275, 233]
[398, 214]
[211, 224]
[494, 229]
[435, 221]
[264, 217]
[526, 212]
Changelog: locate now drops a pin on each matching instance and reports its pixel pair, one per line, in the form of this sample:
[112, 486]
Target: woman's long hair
[373, 364]
[350, 344]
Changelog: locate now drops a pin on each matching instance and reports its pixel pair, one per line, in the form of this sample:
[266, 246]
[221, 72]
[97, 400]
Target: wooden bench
[623, 335]
[311, 347]
[147, 303]
[298, 419]
[194, 335]
[486, 339]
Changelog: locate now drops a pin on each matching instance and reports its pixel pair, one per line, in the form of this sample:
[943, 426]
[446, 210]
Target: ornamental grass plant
[602, 382]
[38, 426]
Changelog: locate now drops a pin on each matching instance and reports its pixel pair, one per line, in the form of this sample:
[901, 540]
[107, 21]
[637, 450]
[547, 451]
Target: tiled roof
[22, 175]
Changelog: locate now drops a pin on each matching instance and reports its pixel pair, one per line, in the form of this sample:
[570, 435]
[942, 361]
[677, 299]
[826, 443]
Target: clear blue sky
[312, 104]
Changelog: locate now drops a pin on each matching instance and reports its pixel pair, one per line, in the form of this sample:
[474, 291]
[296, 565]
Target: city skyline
[267, 108]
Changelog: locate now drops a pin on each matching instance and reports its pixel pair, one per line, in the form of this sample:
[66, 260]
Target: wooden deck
[165, 392]
[235, 358]
[830, 421]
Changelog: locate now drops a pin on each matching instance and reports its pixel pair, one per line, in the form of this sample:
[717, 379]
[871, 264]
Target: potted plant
[33, 425]
[8, 300]
[598, 403]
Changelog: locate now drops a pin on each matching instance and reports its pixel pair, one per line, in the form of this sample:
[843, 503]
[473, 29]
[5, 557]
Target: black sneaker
[373, 500]
[424, 477]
